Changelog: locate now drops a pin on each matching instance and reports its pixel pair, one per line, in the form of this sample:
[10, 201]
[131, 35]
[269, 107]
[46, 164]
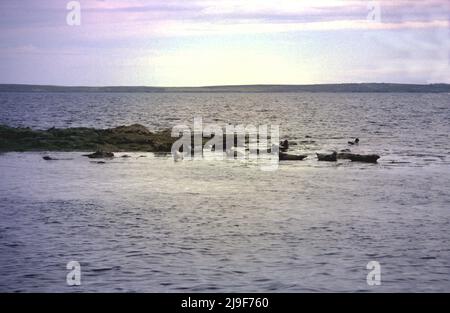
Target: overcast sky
[225, 42]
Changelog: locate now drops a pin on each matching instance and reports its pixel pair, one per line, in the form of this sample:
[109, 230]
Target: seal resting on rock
[327, 157]
[344, 155]
[290, 157]
[368, 158]
[284, 145]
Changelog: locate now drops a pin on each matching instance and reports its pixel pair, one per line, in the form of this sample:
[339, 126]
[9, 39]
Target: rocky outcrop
[131, 138]
[124, 138]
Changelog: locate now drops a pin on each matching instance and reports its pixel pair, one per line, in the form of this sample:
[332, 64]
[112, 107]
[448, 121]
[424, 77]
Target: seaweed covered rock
[134, 129]
[123, 138]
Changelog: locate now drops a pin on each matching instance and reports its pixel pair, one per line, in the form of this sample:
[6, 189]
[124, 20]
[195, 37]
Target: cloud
[200, 15]
[165, 41]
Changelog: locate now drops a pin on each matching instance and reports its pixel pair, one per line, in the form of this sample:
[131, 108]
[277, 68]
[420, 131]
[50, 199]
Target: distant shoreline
[330, 88]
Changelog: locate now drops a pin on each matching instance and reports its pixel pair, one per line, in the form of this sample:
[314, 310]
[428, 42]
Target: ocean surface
[146, 223]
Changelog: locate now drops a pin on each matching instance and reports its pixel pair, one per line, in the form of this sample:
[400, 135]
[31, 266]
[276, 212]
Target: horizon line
[219, 86]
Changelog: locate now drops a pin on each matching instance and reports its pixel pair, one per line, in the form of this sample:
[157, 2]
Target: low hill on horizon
[350, 87]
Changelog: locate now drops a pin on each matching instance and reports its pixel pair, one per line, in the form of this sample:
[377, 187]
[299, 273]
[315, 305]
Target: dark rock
[327, 157]
[100, 155]
[125, 156]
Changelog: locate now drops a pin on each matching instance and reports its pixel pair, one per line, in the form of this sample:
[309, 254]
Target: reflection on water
[149, 224]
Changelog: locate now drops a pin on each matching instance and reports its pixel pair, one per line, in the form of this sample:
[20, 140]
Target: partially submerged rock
[100, 155]
[49, 158]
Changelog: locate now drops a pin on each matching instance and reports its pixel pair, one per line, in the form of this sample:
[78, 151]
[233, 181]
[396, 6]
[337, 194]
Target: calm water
[149, 224]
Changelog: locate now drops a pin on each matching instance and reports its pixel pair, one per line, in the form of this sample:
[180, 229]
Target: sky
[224, 42]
